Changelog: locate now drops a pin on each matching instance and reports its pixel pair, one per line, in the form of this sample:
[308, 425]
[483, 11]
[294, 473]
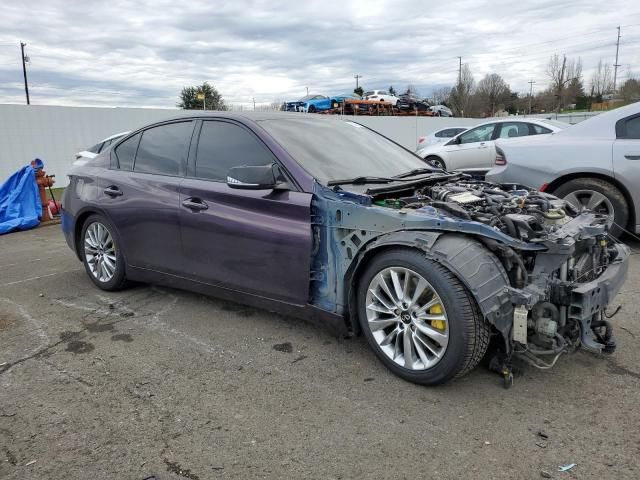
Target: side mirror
[261, 177]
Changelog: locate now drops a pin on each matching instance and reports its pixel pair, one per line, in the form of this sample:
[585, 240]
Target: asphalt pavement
[158, 383]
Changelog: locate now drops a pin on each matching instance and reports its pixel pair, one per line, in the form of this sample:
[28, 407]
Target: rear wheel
[311, 109]
[436, 162]
[419, 319]
[599, 196]
[101, 254]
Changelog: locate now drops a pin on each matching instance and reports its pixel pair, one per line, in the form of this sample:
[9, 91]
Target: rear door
[473, 151]
[253, 241]
[141, 194]
[626, 156]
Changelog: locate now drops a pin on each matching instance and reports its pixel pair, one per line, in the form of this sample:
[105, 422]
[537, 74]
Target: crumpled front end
[541, 272]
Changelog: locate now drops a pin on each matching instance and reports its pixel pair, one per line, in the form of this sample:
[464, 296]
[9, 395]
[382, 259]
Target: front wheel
[419, 319]
[311, 109]
[101, 254]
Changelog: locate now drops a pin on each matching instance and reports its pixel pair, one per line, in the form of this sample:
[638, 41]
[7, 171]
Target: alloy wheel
[407, 318]
[592, 200]
[100, 252]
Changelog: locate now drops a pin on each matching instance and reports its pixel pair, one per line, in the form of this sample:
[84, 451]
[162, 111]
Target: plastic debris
[30, 463]
[566, 468]
[545, 474]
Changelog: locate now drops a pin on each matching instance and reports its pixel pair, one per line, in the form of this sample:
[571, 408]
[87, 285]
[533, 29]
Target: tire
[468, 332]
[105, 276]
[436, 162]
[580, 189]
[311, 109]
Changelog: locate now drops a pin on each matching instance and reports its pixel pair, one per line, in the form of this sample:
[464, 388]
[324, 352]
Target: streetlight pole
[24, 72]
[357, 77]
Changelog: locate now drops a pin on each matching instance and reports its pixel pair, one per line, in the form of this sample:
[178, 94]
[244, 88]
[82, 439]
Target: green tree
[392, 91]
[212, 99]
[358, 91]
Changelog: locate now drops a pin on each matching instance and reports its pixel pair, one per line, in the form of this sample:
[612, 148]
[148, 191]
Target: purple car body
[181, 213]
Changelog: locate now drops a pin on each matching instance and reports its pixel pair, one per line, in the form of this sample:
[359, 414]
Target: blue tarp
[20, 207]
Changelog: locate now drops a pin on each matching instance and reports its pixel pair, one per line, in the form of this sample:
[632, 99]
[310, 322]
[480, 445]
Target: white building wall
[54, 133]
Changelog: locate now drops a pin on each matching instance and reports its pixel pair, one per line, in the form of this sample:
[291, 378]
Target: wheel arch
[479, 270]
[555, 184]
[81, 218]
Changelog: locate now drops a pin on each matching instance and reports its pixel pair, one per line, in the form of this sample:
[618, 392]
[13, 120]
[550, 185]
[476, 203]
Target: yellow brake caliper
[437, 310]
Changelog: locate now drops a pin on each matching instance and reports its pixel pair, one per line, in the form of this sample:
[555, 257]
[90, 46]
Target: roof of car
[255, 116]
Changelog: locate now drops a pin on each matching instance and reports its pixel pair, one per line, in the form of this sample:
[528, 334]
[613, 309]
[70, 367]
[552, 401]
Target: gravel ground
[158, 382]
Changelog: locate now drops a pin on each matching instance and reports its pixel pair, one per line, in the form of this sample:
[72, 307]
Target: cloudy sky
[141, 53]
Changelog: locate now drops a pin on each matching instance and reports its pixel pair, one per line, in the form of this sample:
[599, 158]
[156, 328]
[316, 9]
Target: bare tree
[441, 95]
[601, 80]
[492, 92]
[462, 93]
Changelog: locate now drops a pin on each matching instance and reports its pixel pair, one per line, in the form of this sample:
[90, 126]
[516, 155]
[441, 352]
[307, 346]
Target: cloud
[125, 53]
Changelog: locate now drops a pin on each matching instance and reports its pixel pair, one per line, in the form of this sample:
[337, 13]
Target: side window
[478, 134]
[537, 129]
[441, 134]
[223, 145]
[126, 152]
[163, 149]
[628, 128]
[513, 129]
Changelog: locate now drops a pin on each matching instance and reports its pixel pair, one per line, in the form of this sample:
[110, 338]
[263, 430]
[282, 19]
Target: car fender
[467, 258]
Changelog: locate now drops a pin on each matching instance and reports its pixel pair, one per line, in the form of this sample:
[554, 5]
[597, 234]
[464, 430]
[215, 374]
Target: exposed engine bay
[564, 268]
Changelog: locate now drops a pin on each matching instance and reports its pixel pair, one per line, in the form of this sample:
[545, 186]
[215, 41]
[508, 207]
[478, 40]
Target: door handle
[632, 157]
[113, 191]
[195, 204]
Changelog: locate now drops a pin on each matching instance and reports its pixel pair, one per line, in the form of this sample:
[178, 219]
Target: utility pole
[561, 83]
[357, 77]
[254, 104]
[307, 90]
[460, 70]
[531, 82]
[616, 65]
[24, 71]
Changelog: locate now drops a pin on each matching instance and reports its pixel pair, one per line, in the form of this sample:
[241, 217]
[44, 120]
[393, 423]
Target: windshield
[335, 150]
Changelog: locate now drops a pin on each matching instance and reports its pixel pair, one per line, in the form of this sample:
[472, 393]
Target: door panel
[254, 241]
[146, 217]
[475, 151]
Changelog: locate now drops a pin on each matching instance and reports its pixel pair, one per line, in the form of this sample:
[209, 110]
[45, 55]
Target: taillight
[421, 140]
[543, 187]
[501, 159]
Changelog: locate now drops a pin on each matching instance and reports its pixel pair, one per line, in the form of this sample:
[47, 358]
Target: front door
[254, 241]
[474, 150]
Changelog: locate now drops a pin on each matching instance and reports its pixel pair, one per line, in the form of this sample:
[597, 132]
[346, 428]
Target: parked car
[324, 218]
[409, 101]
[474, 150]
[594, 164]
[381, 95]
[314, 103]
[441, 111]
[440, 136]
[94, 150]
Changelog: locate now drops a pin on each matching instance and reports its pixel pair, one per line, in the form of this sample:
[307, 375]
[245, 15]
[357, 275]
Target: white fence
[55, 134]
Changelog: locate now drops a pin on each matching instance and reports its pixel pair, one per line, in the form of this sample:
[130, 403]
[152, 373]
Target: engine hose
[539, 308]
[511, 227]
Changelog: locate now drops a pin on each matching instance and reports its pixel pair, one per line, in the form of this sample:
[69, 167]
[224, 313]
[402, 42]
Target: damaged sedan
[326, 219]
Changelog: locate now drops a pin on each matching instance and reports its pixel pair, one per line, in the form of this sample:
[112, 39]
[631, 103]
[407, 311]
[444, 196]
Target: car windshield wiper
[415, 171]
[361, 181]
